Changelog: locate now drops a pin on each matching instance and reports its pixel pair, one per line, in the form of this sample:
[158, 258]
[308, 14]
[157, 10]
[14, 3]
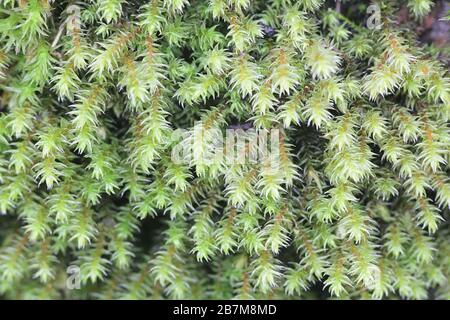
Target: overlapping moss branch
[93, 94]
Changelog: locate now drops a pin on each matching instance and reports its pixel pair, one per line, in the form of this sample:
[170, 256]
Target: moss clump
[99, 97]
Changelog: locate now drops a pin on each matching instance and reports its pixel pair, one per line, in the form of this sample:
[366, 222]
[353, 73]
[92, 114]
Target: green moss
[99, 97]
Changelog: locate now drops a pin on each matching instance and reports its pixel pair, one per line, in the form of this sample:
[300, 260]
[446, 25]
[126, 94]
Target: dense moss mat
[110, 111]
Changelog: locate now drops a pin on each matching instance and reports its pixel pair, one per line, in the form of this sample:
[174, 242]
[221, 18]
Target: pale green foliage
[97, 96]
[420, 7]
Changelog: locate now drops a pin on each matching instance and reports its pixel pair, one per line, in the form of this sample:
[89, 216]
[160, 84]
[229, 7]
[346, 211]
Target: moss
[222, 149]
